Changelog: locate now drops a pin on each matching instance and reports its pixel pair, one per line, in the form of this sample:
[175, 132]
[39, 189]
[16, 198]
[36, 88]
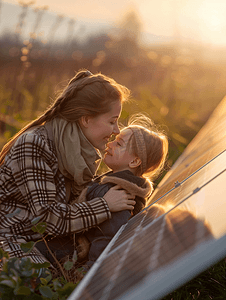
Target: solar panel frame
[175, 276]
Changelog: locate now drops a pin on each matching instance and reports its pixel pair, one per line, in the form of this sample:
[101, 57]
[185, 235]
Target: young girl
[135, 157]
[46, 165]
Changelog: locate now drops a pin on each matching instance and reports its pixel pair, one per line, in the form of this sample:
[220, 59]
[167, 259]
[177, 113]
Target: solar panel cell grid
[153, 247]
[202, 156]
[203, 152]
[101, 279]
[129, 229]
[210, 134]
[199, 176]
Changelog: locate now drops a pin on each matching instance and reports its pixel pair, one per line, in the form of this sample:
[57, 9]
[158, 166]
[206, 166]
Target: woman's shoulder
[35, 136]
[34, 142]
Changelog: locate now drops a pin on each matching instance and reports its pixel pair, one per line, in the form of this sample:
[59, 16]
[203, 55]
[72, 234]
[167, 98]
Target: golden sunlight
[212, 21]
[202, 21]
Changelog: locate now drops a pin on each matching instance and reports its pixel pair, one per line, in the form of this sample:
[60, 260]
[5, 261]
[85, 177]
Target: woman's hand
[118, 199]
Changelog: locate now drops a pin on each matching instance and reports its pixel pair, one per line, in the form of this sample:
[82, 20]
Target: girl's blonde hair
[85, 95]
[155, 144]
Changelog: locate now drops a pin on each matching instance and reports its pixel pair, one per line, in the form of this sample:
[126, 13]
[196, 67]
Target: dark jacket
[100, 236]
[138, 186]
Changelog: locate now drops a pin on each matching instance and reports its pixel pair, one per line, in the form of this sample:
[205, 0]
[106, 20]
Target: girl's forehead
[125, 134]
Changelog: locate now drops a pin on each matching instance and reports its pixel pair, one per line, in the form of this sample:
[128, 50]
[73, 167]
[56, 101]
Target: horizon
[87, 22]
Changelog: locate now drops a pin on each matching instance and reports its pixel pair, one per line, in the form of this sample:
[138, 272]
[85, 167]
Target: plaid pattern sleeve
[30, 181]
[34, 177]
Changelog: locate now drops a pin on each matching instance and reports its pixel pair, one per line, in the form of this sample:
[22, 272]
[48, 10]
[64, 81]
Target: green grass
[210, 284]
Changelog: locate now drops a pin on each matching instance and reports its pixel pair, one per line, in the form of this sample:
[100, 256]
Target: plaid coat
[32, 186]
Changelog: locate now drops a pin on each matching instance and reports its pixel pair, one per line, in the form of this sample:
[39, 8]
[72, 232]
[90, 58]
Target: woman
[48, 163]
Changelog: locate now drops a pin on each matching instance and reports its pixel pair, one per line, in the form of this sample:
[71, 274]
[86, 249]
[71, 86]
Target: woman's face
[99, 129]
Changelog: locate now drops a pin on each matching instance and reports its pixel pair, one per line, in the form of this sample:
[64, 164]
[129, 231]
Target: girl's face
[118, 156]
[99, 129]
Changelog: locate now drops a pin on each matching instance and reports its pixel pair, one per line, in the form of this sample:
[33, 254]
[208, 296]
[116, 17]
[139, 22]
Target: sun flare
[212, 15]
[212, 21]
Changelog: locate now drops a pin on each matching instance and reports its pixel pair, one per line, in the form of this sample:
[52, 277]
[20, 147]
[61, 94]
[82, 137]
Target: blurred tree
[53, 29]
[70, 35]
[39, 11]
[126, 38]
[130, 27]
[21, 21]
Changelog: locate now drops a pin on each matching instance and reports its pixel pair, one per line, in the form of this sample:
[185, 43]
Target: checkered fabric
[31, 182]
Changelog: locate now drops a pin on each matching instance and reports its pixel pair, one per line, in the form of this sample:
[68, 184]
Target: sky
[202, 20]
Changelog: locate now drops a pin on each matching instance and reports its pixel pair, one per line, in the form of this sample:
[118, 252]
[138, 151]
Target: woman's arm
[32, 169]
[118, 199]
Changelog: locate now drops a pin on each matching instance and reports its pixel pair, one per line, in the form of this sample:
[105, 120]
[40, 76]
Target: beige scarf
[78, 160]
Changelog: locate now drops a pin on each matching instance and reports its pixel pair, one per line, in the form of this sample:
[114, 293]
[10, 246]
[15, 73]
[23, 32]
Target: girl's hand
[118, 199]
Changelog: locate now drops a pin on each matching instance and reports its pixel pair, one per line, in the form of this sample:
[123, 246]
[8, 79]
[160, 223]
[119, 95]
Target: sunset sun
[212, 21]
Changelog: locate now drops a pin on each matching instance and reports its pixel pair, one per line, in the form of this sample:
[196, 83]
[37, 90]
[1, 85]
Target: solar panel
[180, 234]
